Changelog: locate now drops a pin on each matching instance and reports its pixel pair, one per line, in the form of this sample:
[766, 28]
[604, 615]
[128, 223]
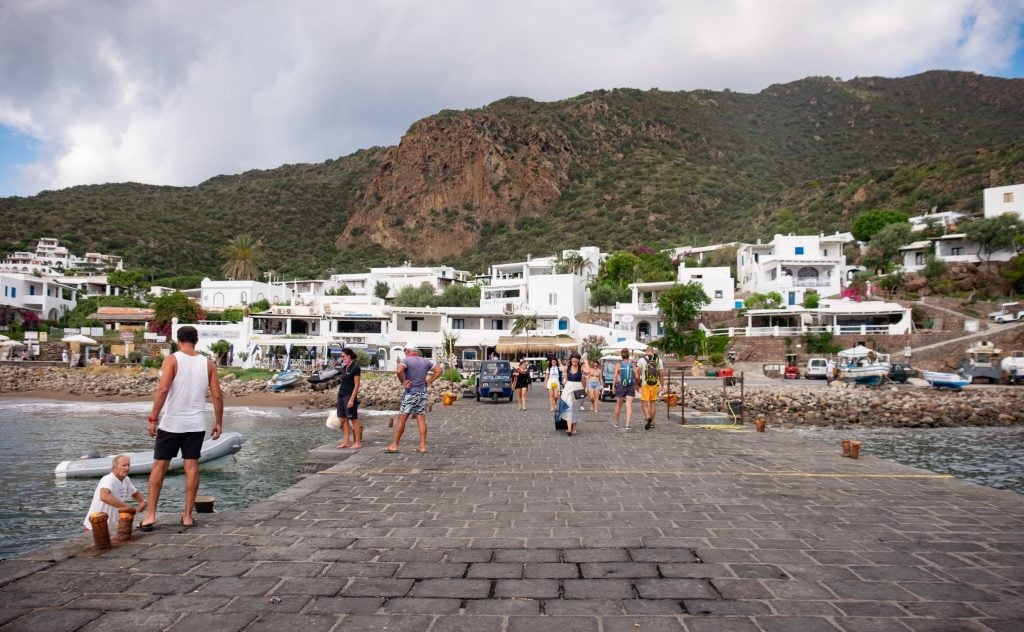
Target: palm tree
[240, 255]
[523, 322]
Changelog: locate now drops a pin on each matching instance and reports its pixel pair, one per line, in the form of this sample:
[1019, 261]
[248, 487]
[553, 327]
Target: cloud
[174, 92]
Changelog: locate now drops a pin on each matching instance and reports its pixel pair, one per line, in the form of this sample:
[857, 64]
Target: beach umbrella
[79, 338]
[3, 338]
[11, 343]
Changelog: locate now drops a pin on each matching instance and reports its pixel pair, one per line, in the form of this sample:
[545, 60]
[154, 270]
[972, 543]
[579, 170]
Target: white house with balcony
[836, 316]
[50, 258]
[542, 286]
[399, 277]
[642, 317]
[1003, 200]
[792, 265]
[42, 295]
[944, 220]
[220, 295]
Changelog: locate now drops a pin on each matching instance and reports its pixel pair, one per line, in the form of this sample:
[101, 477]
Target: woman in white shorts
[554, 382]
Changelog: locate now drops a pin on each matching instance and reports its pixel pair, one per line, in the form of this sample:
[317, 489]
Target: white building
[700, 253]
[44, 296]
[794, 264]
[50, 258]
[399, 277]
[836, 316]
[543, 285]
[944, 220]
[1002, 200]
[643, 318]
[219, 295]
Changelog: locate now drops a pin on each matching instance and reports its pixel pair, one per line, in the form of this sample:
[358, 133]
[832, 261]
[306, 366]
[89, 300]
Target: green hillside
[643, 166]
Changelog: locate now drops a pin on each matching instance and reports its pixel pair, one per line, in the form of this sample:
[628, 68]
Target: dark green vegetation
[649, 167]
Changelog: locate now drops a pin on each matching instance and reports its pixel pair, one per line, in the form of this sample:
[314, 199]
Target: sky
[177, 91]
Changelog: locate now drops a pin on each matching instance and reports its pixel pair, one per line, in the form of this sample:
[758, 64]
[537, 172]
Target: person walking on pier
[185, 377]
[625, 388]
[651, 370]
[416, 374]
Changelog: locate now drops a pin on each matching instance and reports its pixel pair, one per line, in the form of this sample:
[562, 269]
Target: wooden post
[100, 530]
[743, 399]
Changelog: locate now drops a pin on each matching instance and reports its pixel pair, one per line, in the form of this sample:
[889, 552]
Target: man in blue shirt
[416, 373]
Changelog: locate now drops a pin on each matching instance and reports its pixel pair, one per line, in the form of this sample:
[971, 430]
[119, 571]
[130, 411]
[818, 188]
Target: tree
[884, 247]
[169, 306]
[220, 349]
[993, 234]
[811, 300]
[523, 322]
[410, 296]
[341, 290]
[381, 290]
[681, 305]
[592, 346]
[867, 224]
[240, 254]
[603, 295]
[769, 300]
[459, 295]
[133, 280]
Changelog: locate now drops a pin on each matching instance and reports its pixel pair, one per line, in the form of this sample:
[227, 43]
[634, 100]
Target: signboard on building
[127, 336]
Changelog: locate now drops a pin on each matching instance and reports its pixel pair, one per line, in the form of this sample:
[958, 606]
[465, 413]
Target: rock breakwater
[844, 405]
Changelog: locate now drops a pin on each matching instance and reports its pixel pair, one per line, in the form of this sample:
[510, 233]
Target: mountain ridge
[611, 168]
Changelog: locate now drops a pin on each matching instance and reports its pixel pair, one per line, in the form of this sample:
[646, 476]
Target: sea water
[37, 508]
[988, 456]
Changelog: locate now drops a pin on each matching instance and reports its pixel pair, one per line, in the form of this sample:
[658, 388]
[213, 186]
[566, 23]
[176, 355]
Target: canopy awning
[534, 345]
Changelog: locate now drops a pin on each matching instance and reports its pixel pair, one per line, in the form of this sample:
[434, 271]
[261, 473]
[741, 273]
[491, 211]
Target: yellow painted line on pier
[414, 470]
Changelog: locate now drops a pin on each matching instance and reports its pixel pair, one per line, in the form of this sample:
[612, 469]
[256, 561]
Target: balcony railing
[839, 330]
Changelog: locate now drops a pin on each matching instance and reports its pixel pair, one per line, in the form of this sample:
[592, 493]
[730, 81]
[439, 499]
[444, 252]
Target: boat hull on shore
[214, 452]
[953, 381]
[285, 380]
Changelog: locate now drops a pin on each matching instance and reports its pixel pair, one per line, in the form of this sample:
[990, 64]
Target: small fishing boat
[285, 380]
[863, 366]
[937, 379]
[323, 375]
[214, 453]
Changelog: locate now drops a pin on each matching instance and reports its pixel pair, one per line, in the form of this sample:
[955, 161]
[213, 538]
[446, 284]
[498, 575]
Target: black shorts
[345, 411]
[169, 443]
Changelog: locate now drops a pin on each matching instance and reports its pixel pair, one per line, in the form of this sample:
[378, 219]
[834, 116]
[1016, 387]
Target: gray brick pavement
[505, 525]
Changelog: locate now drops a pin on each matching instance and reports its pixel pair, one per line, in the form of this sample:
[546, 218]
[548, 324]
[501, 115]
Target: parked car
[536, 366]
[1008, 312]
[817, 369]
[900, 372]
[494, 381]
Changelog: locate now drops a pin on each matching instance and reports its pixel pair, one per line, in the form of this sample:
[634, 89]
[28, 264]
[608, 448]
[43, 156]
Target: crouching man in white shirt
[113, 491]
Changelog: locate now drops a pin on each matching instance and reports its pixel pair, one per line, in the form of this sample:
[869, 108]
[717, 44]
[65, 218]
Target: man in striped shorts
[415, 373]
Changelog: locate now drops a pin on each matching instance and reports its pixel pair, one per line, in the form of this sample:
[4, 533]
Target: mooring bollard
[391, 422]
[125, 519]
[759, 424]
[100, 530]
[855, 449]
[846, 447]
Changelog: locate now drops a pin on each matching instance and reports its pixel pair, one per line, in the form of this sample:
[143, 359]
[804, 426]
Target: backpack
[625, 373]
[651, 371]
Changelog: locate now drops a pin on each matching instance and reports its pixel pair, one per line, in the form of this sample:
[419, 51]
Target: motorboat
[938, 379]
[863, 365]
[323, 375]
[215, 452]
[1013, 367]
[285, 380]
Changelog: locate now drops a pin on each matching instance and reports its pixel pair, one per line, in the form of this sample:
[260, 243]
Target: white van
[817, 369]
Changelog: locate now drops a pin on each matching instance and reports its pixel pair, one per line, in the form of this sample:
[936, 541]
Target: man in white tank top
[185, 377]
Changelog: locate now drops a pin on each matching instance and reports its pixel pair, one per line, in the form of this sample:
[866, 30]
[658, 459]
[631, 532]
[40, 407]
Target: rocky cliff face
[452, 175]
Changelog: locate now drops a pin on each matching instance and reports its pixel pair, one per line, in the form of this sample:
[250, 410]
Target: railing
[753, 332]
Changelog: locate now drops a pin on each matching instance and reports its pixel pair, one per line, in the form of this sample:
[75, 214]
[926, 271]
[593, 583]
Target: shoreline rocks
[845, 405]
[839, 404]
